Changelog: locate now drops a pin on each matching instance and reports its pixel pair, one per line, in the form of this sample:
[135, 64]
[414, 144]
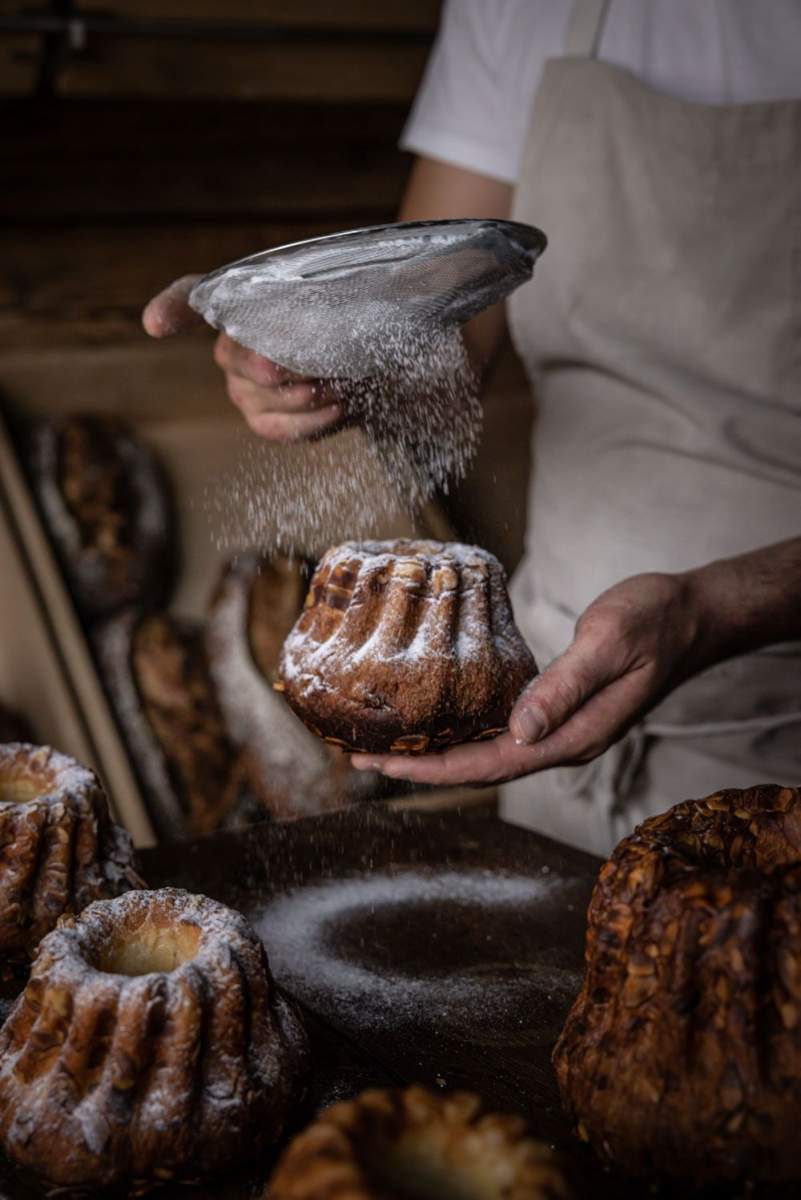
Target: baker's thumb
[169, 311]
[553, 697]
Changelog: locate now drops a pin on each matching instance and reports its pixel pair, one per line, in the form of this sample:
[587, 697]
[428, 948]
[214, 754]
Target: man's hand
[277, 404]
[631, 646]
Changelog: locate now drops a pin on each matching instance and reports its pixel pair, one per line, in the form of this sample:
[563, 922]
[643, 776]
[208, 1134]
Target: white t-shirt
[472, 108]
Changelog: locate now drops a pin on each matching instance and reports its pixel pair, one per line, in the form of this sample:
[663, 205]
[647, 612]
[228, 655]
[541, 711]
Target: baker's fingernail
[394, 767]
[365, 764]
[528, 727]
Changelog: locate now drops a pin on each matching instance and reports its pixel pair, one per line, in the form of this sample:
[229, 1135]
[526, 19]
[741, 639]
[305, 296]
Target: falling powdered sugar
[418, 420]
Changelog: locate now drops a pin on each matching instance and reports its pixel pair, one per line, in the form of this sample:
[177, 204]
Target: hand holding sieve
[326, 307]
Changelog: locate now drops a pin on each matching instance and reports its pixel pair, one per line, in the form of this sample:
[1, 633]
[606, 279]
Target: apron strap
[584, 28]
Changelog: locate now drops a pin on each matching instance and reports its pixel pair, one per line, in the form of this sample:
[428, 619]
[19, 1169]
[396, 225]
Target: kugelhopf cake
[682, 1054]
[405, 646]
[61, 849]
[149, 1044]
[109, 511]
[414, 1144]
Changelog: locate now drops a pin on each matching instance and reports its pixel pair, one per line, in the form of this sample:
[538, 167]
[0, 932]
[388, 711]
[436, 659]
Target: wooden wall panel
[419, 15]
[153, 379]
[313, 69]
[18, 64]
[124, 160]
[245, 49]
[86, 286]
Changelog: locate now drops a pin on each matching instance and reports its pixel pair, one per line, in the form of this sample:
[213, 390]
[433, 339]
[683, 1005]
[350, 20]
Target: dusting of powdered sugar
[303, 931]
[465, 616]
[420, 421]
[424, 550]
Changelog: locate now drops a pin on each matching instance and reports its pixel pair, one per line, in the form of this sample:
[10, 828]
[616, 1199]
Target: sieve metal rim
[528, 238]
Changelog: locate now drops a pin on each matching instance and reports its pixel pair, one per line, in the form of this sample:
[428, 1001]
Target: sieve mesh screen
[322, 307]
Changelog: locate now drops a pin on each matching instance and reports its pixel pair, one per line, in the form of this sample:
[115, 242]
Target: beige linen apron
[662, 335]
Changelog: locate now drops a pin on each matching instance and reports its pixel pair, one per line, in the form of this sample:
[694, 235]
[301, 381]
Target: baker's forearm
[439, 190]
[483, 336]
[632, 646]
[747, 602]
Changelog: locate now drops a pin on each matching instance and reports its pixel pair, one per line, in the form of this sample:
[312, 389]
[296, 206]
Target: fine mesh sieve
[328, 307]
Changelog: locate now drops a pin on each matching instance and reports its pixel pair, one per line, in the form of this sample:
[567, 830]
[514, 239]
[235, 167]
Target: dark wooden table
[443, 949]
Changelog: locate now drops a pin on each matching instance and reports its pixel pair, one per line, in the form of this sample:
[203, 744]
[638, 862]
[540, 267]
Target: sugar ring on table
[149, 1044]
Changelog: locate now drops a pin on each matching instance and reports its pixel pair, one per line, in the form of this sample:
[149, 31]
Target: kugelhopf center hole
[22, 789]
[151, 947]
[415, 1171]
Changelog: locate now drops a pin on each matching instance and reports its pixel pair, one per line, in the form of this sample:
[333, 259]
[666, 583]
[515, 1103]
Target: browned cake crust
[61, 850]
[385, 1142]
[256, 603]
[149, 1044]
[405, 646]
[682, 1054]
[157, 675]
[108, 509]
